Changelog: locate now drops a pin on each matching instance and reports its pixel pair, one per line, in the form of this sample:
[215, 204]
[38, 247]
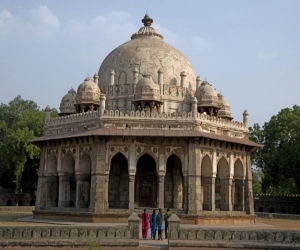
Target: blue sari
[153, 227]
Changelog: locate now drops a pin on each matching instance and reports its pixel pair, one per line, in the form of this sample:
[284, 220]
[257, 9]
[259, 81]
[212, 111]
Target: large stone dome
[147, 52]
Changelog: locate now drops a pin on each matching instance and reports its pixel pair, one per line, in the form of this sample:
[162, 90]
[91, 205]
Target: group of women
[157, 222]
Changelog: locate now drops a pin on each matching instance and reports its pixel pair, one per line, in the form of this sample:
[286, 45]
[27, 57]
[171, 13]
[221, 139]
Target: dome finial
[147, 21]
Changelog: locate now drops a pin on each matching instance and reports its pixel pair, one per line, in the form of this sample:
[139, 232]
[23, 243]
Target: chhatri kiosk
[145, 132]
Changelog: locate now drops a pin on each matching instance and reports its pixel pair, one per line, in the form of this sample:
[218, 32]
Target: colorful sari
[145, 224]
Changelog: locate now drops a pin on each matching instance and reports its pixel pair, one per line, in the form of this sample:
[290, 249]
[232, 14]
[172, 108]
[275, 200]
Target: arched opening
[272, 210]
[261, 209]
[118, 191]
[173, 185]
[68, 181]
[283, 210]
[207, 182]
[52, 182]
[32, 202]
[9, 203]
[295, 211]
[238, 186]
[20, 203]
[223, 174]
[146, 182]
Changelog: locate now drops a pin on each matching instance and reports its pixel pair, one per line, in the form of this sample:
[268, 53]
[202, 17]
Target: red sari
[145, 224]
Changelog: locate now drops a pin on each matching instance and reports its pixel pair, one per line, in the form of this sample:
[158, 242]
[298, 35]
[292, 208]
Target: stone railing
[80, 117]
[71, 236]
[134, 115]
[230, 238]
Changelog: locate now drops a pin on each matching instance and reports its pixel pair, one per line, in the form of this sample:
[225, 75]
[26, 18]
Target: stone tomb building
[145, 132]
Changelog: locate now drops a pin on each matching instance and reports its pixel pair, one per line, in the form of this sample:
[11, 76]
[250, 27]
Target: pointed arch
[223, 178]
[85, 163]
[68, 163]
[116, 153]
[118, 185]
[238, 186]
[206, 182]
[146, 181]
[238, 170]
[173, 185]
[151, 155]
[223, 168]
[52, 165]
[122, 78]
[206, 166]
[52, 182]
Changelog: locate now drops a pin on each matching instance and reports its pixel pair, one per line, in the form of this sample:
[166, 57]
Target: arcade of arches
[150, 179]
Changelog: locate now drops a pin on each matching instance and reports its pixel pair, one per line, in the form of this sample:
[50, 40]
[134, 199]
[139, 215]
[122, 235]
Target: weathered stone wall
[284, 204]
[75, 236]
[210, 238]
[8, 197]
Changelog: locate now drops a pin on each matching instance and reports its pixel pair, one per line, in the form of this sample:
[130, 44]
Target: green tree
[20, 121]
[279, 158]
[256, 180]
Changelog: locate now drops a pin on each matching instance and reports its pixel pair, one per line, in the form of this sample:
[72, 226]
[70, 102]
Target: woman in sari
[145, 224]
[153, 219]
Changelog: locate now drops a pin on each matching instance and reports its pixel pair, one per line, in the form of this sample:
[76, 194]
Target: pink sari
[145, 224]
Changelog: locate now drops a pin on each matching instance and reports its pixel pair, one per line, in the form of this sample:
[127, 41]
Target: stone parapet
[91, 120]
[78, 236]
[230, 238]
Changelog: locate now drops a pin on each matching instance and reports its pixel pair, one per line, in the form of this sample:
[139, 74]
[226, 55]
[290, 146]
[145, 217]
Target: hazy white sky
[248, 50]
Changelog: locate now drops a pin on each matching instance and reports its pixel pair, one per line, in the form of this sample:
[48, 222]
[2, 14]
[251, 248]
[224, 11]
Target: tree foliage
[279, 159]
[20, 121]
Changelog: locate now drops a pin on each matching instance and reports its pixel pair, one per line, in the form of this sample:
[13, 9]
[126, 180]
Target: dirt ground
[8, 218]
[279, 223]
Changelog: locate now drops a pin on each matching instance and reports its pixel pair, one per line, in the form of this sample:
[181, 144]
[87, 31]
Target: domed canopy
[146, 85]
[88, 96]
[147, 52]
[206, 95]
[147, 93]
[88, 92]
[225, 111]
[67, 103]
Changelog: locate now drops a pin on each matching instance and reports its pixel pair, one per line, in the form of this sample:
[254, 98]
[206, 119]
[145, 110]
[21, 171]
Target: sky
[248, 50]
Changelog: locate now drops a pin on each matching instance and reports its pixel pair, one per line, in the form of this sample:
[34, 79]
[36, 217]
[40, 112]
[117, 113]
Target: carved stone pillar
[82, 191]
[64, 190]
[195, 205]
[225, 197]
[131, 190]
[41, 188]
[249, 202]
[161, 190]
[98, 181]
[185, 192]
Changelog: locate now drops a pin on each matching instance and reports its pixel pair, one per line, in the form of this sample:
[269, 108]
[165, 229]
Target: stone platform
[121, 216]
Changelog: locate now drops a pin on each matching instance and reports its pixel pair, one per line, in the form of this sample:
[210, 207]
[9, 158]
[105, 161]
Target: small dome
[146, 84]
[67, 103]
[88, 92]
[225, 111]
[206, 95]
